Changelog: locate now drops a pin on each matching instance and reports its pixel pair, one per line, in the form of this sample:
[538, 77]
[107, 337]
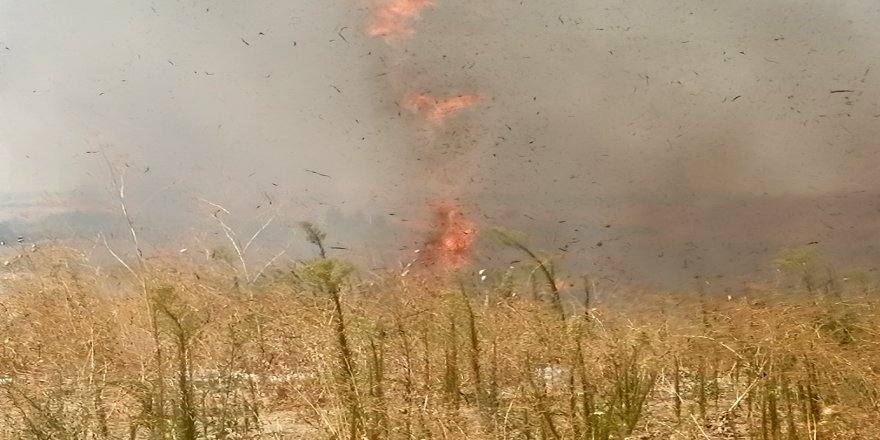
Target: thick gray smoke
[645, 141]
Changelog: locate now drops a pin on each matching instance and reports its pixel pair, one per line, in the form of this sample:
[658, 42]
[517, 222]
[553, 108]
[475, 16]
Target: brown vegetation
[176, 350]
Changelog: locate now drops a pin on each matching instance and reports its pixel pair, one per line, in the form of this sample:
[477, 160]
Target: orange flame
[437, 109]
[394, 18]
[450, 245]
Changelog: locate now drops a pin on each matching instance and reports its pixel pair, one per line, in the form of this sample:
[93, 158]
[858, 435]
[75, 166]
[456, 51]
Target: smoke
[679, 134]
[654, 141]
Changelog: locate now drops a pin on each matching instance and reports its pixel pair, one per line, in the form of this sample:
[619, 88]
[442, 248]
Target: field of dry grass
[176, 350]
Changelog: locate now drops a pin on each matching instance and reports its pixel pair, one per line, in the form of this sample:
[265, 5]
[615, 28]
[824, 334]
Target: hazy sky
[591, 106]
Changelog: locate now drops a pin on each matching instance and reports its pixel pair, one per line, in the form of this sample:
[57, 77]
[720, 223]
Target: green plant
[327, 276]
[517, 241]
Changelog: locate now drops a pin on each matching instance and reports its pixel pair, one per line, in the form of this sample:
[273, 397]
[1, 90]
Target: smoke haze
[646, 141]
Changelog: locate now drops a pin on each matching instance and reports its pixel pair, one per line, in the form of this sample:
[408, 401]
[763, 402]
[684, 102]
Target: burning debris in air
[449, 244]
[436, 109]
[453, 235]
[393, 18]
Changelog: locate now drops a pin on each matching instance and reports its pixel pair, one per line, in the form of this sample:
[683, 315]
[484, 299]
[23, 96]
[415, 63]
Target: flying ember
[437, 109]
[453, 234]
[394, 18]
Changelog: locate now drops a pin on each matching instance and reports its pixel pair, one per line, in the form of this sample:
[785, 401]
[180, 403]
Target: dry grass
[193, 353]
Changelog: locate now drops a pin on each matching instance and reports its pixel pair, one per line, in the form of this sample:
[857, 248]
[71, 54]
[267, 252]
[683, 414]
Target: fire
[394, 18]
[437, 109]
[450, 245]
